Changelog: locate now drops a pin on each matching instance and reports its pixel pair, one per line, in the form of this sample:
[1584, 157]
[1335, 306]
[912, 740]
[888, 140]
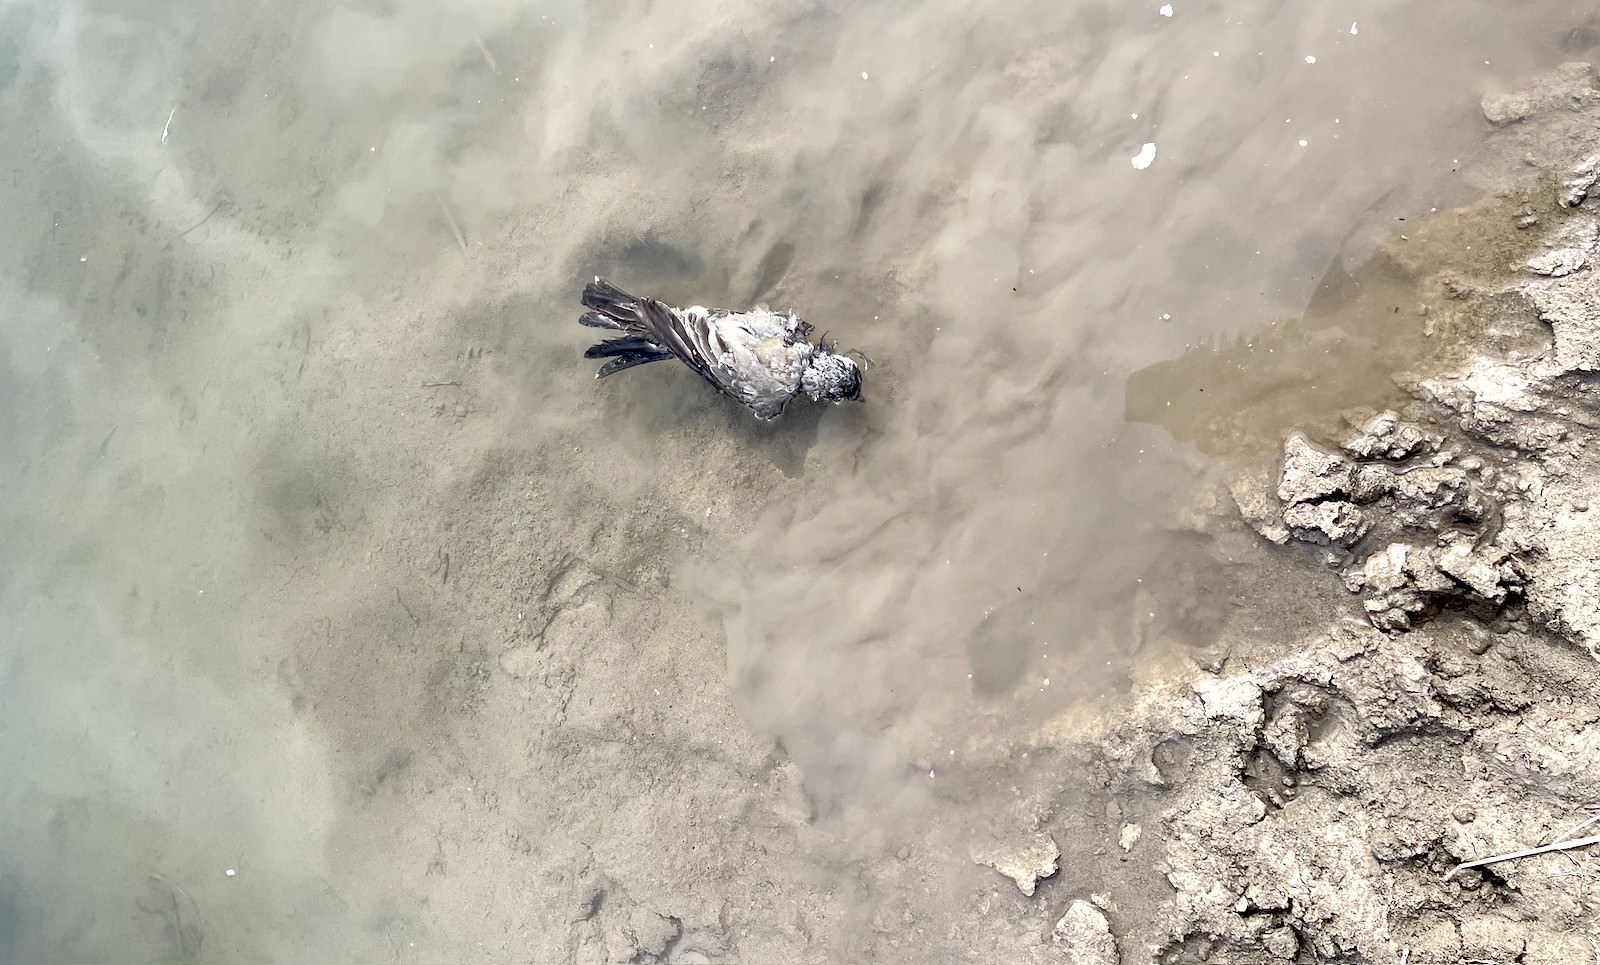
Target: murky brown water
[1366, 330]
[306, 657]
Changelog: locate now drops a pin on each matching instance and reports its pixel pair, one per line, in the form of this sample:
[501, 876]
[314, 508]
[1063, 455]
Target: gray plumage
[760, 358]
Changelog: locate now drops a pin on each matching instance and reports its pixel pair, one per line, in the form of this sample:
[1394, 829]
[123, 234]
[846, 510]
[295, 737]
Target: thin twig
[1567, 835]
[1513, 855]
[181, 933]
[450, 219]
[403, 606]
[488, 58]
[214, 209]
[101, 452]
[429, 385]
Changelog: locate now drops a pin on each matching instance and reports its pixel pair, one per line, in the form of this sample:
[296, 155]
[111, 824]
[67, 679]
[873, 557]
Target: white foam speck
[1145, 157]
[863, 75]
[1216, 53]
[1166, 10]
[1353, 30]
[1134, 115]
[1304, 142]
[1310, 59]
[772, 60]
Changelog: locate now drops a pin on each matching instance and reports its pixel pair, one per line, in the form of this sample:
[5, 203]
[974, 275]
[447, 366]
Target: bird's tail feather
[628, 361]
[625, 353]
[611, 303]
[597, 320]
[614, 309]
[624, 346]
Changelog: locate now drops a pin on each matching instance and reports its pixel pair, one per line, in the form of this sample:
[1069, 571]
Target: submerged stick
[450, 219]
[488, 58]
[398, 599]
[1530, 852]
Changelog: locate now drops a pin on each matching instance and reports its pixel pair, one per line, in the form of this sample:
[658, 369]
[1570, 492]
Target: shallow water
[346, 615]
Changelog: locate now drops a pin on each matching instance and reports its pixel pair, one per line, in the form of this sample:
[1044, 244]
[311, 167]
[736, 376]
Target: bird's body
[760, 358]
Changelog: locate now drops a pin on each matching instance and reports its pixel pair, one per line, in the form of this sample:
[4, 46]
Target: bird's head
[831, 376]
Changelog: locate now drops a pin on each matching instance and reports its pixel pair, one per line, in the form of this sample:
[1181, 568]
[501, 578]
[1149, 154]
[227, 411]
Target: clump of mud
[1481, 502]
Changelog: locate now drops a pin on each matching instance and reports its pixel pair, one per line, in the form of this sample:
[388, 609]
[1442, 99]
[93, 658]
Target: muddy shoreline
[1313, 807]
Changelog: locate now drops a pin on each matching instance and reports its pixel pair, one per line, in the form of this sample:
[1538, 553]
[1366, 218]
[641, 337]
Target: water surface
[346, 617]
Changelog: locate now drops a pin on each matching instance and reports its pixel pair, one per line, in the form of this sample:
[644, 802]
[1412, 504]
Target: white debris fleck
[1304, 142]
[1166, 10]
[1311, 58]
[863, 75]
[1145, 157]
[167, 126]
[1216, 53]
[230, 872]
[772, 60]
[1353, 30]
[83, 258]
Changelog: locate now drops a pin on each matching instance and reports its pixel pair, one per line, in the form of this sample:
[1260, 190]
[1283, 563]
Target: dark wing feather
[690, 343]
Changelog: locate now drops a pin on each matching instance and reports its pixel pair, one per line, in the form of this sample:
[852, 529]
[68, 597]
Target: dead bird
[760, 358]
